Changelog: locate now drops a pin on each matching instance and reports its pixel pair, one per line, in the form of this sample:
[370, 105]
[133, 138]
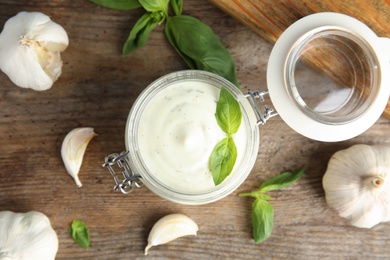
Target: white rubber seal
[288, 109]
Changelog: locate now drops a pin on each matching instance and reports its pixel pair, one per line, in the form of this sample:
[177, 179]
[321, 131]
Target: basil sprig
[201, 49]
[223, 157]
[262, 211]
[80, 233]
[195, 42]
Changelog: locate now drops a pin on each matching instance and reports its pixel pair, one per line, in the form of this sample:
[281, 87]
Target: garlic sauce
[177, 133]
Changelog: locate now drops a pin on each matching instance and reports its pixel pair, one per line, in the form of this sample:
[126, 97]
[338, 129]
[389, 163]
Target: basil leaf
[155, 5]
[222, 159]
[199, 46]
[80, 233]
[228, 112]
[262, 220]
[280, 181]
[118, 4]
[141, 31]
[177, 6]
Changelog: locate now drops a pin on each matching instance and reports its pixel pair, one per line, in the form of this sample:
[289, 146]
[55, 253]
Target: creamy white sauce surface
[177, 133]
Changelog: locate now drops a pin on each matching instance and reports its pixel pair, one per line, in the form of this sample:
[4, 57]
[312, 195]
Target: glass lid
[326, 76]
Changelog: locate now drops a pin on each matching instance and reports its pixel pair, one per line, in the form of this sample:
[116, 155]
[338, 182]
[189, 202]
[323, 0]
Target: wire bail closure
[262, 115]
[130, 180]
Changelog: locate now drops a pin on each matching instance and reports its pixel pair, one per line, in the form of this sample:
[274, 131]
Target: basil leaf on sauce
[262, 220]
[262, 211]
[228, 112]
[177, 6]
[118, 4]
[80, 233]
[199, 47]
[141, 31]
[222, 159]
[155, 5]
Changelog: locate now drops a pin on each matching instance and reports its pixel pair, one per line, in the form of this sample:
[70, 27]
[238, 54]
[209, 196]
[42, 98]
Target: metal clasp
[262, 115]
[130, 179]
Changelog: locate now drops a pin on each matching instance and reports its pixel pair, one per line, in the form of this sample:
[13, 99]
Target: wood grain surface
[271, 18]
[97, 89]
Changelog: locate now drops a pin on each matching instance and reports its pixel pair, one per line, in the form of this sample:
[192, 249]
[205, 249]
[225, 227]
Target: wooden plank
[97, 89]
[271, 18]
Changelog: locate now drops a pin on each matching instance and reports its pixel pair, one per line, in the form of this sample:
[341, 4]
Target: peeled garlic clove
[169, 228]
[73, 149]
[30, 46]
[357, 184]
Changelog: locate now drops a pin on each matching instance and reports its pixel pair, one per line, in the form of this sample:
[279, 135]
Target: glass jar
[172, 189]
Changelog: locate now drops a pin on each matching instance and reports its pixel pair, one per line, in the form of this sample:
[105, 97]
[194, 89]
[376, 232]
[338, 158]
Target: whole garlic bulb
[30, 46]
[27, 236]
[357, 184]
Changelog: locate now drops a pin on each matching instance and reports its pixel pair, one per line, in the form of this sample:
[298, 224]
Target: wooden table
[97, 89]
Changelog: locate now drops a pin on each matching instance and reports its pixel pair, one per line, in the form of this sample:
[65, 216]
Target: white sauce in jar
[177, 133]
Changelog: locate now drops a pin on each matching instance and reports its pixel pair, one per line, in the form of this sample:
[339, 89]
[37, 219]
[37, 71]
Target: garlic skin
[170, 228]
[73, 148]
[30, 46]
[27, 236]
[357, 184]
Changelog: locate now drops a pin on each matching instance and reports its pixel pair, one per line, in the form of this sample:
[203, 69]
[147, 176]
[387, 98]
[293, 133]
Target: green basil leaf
[262, 220]
[80, 233]
[155, 5]
[222, 159]
[280, 181]
[177, 6]
[228, 112]
[199, 46]
[141, 31]
[118, 4]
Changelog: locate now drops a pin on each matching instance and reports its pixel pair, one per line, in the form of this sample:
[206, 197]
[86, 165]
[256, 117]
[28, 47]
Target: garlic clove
[30, 46]
[73, 149]
[170, 228]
